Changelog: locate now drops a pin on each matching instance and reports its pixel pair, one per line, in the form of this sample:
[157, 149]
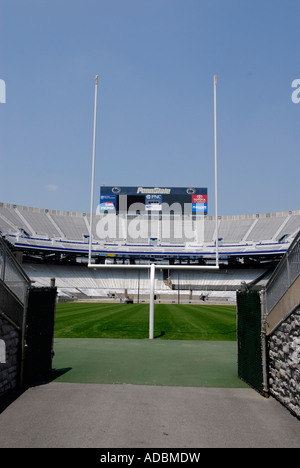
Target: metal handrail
[12, 259]
[282, 276]
[12, 273]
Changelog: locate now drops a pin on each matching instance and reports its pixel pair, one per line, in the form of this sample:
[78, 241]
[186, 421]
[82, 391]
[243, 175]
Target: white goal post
[153, 266]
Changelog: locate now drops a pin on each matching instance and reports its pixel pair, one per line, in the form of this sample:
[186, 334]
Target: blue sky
[156, 60]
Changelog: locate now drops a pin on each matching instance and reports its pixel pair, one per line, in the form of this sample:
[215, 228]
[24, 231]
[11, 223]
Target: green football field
[131, 321]
[194, 345]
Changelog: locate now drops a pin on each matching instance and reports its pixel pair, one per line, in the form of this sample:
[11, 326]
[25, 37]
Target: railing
[286, 273]
[12, 274]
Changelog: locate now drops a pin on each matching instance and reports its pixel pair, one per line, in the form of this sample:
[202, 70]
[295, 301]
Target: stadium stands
[69, 231]
[78, 282]
[39, 234]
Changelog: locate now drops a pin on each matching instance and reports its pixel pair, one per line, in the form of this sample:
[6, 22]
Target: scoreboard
[151, 200]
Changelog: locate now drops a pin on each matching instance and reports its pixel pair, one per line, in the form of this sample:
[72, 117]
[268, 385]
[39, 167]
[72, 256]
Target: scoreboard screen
[151, 200]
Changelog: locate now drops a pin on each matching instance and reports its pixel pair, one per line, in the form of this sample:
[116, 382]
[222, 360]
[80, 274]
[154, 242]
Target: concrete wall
[284, 362]
[9, 356]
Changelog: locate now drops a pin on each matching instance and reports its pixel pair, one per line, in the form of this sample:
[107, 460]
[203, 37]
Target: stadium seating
[79, 282]
[246, 236]
[69, 232]
[75, 226]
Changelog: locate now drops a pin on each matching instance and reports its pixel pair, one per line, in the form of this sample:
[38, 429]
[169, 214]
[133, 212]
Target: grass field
[171, 321]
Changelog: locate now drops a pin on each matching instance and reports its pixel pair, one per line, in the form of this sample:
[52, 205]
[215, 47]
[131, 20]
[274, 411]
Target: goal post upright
[93, 173]
[216, 170]
[151, 306]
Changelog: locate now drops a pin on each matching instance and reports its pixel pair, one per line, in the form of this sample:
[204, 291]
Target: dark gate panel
[40, 320]
[250, 358]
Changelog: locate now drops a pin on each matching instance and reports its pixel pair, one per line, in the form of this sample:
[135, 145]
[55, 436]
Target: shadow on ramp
[12, 395]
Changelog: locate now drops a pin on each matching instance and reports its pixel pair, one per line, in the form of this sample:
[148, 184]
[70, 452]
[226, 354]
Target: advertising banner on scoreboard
[108, 203]
[201, 198]
[199, 208]
[199, 203]
[153, 202]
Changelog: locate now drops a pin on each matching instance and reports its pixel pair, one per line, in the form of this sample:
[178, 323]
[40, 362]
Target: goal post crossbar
[156, 265]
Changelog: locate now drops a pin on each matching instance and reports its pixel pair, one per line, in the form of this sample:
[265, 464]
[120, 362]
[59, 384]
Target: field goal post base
[152, 267]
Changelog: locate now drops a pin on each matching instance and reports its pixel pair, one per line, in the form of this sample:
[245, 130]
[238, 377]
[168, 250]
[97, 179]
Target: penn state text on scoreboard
[118, 199]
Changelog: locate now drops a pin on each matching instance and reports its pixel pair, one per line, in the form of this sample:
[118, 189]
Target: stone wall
[284, 362]
[9, 356]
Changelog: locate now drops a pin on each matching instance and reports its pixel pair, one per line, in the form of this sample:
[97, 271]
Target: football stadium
[149, 290]
[102, 285]
[55, 244]
[150, 293]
